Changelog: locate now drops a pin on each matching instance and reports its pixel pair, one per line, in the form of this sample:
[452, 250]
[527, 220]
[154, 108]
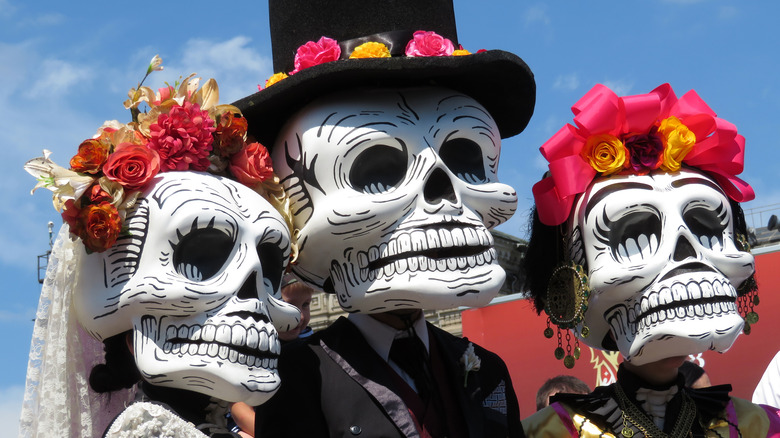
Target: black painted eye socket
[464, 158]
[706, 224]
[378, 169]
[201, 253]
[272, 261]
[635, 236]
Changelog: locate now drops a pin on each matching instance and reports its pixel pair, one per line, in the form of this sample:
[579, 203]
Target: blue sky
[66, 67]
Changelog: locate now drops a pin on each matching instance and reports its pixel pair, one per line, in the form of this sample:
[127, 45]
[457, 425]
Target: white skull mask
[196, 282]
[662, 263]
[393, 191]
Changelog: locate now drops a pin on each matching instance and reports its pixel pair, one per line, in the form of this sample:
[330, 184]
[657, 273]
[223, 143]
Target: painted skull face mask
[393, 192]
[197, 280]
[663, 265]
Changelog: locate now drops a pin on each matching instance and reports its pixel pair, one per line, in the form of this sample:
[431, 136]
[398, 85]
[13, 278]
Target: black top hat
[499, 80]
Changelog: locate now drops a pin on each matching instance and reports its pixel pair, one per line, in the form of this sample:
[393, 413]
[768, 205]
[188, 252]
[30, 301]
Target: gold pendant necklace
[634, 416]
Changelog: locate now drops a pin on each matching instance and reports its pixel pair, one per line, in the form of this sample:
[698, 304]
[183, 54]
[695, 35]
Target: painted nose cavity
[438, 187]
[683, 249]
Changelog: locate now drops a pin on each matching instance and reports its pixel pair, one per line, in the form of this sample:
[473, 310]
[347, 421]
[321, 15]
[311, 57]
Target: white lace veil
[57, 398]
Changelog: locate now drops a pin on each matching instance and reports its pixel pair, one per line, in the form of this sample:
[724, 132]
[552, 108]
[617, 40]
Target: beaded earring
[565, 305]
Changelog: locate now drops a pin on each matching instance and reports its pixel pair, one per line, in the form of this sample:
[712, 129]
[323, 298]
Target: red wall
[514, 331]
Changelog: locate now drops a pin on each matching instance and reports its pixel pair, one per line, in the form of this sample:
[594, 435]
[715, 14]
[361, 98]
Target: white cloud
[11, 399]
[550, 126]
[15, 316]
[57, 77]
[6, 9]
[569, 82]
[728, 12]
[235, 64]
[621, 87]
[541, 164]
[536, 14]
[44, 20]
[18, 61]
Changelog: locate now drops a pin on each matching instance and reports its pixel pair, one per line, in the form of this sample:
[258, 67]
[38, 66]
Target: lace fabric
[144, 419]
[57, 398]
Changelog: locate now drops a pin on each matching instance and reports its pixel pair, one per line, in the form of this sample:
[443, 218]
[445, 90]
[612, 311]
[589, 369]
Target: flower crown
[184, 129]
[636, 135]
[422, 44]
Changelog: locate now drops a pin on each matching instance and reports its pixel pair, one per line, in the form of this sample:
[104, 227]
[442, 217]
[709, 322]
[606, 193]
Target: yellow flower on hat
[370, 50]
[605, 153]
[460, 52]
[276, 77]
[678, 141]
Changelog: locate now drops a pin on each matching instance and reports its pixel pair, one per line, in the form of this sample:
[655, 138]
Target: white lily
[155, 64]
[66, 184]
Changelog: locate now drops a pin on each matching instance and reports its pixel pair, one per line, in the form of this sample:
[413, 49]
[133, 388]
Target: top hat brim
[499, 80]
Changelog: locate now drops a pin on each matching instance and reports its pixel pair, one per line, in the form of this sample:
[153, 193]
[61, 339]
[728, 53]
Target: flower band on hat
[382, 45]
[636, 135]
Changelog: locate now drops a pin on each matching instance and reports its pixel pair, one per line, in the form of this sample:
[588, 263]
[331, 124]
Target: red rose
[132, 165]
[311, 54]
[101, 226]
[90, 157]
[229, 136]
[70, 215]
[252, 165]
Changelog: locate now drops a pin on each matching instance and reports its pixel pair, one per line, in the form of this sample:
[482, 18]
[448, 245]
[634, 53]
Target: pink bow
[718, 150]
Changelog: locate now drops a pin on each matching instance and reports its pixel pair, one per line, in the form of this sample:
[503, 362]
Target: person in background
[563, 384]
[297, 293]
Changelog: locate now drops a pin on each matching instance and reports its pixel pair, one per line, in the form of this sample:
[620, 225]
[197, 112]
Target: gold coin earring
[747, 292]
[565, 306]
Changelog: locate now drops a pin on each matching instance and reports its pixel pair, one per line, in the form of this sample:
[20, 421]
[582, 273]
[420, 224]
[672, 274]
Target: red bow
[718, 150]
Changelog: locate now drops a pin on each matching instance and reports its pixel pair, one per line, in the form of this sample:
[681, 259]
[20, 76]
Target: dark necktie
[410, 355]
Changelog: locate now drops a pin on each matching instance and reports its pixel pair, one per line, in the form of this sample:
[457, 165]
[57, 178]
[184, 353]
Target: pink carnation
[183, 138]
[429, 44]
[311, 53]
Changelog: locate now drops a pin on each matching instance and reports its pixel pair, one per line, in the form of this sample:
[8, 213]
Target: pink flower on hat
[429, 44]
[311, 53]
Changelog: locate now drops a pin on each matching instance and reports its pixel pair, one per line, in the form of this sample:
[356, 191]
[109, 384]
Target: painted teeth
[419, 240]
[680, 292]
[221, 341]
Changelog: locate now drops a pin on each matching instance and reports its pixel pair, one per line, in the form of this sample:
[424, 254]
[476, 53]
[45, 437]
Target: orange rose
[229, 136]
[102, 225]
[132, 165]
[90, 157]
[252, 165]
[98, 195]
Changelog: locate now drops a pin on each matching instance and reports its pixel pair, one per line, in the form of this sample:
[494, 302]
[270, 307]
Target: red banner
[513, 330]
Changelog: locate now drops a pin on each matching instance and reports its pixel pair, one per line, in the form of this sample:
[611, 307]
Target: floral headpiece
[635, 135]
[422, 44]
[184, 129]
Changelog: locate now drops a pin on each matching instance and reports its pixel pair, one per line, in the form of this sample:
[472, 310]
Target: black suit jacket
[335, 385]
